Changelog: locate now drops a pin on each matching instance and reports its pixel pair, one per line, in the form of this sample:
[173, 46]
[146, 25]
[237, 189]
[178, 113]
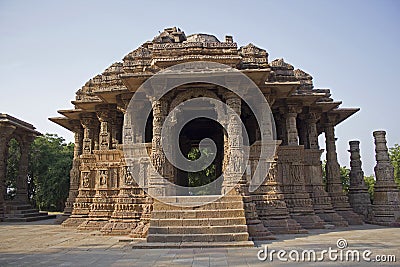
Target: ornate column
[313, 173]
[358, 192]
[22, 181]
[74, 174]
[157, 184]
[235, 150]
[5, 134]
[290, 115]
[334, 186]
[386, 204]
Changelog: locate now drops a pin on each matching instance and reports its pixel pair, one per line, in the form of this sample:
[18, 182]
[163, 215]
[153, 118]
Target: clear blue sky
[49, 49]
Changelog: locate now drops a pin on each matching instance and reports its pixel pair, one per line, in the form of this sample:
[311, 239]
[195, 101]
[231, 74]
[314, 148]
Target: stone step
[24, 211]
[200, 206]
[24, 215]
[224, 237]
[18, 207]
[43, 216]
[199, 199]
[191, 214]
[197, 222]
[176, 230]
[156, 245]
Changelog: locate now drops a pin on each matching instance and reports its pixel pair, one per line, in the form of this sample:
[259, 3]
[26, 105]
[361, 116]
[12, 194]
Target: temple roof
[172, 46]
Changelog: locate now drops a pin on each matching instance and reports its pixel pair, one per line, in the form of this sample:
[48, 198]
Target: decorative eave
[342, 114]
[307, 98]
[88, 106]
[282, 89]
[327, 106]
[258, 76]
[110, 97]
[73, 114]
[63, 121]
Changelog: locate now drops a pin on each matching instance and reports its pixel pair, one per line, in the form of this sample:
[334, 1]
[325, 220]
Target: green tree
[202, 177]
[49, 167]
[394, 154]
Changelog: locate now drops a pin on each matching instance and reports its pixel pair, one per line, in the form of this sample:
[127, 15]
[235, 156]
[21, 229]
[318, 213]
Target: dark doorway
[189, 138]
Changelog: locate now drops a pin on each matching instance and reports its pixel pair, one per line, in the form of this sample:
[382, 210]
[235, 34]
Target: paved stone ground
[46, 244]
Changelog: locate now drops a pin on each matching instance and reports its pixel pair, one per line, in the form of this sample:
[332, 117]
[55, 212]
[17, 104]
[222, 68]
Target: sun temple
[293, 196]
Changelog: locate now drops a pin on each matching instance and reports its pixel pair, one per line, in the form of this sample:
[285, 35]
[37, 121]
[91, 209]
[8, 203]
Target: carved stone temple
[293, 197]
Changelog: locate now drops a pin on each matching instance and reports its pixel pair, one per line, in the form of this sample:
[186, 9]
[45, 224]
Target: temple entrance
[189, 138]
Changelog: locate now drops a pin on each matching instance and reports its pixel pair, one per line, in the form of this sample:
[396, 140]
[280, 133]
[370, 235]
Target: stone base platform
[146, 245]
[24, 213]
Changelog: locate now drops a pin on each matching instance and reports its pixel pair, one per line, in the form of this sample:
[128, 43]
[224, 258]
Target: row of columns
[331, 206]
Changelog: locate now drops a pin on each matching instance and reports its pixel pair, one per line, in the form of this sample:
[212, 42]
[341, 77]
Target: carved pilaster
[386, 204]
[358, 192]
[90, 126]
[107, 117]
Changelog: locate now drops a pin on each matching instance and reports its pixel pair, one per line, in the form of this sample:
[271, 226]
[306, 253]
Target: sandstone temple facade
[293, 197]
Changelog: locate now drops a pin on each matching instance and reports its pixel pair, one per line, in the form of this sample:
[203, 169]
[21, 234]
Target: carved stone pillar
[358, 192]
[313, 174]
[386, 204]
[235, 150]
[22, 181]
[290, 114]
[5, 134]
[334, 186]
[157, 184]
[312, 133]
[74, 174]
